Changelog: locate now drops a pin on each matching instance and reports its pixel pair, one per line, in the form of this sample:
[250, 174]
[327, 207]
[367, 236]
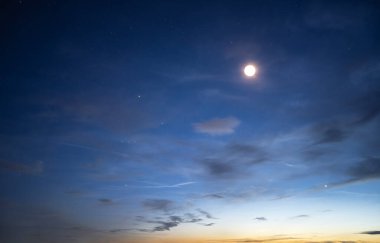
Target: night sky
[133, 121]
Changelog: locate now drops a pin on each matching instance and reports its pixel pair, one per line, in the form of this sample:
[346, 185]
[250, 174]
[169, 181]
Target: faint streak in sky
[94, 149]
[158, 186]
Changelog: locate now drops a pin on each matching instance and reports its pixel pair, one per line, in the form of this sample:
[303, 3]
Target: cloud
[368, 168]
[171, 222]
[33, 169]
[213, 196]
[301, 216]
[372, 232]
[164, 226]
[232, 161]
[217, 126]
[209, 224]
[365, 169]
[329, 133]
[158, 204]
[191, 218]
[105, 201]
[159, 186]
[363, 110]
[248, 153]
[166, 222]
[261, 218]
[119, 230]
[220, 169]
[206, 214]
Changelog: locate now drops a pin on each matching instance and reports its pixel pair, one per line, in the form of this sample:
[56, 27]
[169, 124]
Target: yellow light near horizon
[249, 70]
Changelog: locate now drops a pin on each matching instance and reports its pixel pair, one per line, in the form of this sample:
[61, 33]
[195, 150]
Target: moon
[249, 70]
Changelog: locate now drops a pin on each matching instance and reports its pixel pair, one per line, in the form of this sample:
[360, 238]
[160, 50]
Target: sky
[133, 121]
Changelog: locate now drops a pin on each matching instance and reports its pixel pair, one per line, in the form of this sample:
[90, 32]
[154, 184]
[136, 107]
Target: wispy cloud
[206, 214]
[158, 185]
[217, 126]
[209, 224]
[301, 216]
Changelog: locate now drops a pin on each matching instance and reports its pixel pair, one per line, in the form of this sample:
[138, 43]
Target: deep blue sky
[132, 121]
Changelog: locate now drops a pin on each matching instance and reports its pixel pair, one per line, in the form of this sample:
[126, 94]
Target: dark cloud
[301, 216]
[176, 218]
[233, 160]
[220, 169]
[213, 196]
[366, 107]
[30, 169]
[105, 201]
[362, 110]
[365, 169]
[248, 153]
[329, 133]
[206, 214]
[191, 218]
[261, 218]
[119, 230]
[171, 222]
[158, 204]
[372, 232]
[209, 224]
[164, 226]
[368, 168]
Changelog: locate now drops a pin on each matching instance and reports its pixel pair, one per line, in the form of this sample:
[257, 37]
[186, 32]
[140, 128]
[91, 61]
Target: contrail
[178, 185]
[94, 149]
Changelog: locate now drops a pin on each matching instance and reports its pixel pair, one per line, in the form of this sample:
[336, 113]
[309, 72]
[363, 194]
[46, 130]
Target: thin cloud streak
[178, 185]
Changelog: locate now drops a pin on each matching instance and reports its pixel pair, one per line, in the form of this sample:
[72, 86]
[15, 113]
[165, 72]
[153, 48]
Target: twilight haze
[138, 122]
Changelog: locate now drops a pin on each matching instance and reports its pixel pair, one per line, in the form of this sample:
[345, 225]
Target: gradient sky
[132, 121]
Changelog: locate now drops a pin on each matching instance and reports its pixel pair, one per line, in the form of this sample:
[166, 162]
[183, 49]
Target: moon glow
[249, 70]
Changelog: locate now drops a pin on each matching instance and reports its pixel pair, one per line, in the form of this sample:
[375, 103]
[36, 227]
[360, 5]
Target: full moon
[249, 70]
